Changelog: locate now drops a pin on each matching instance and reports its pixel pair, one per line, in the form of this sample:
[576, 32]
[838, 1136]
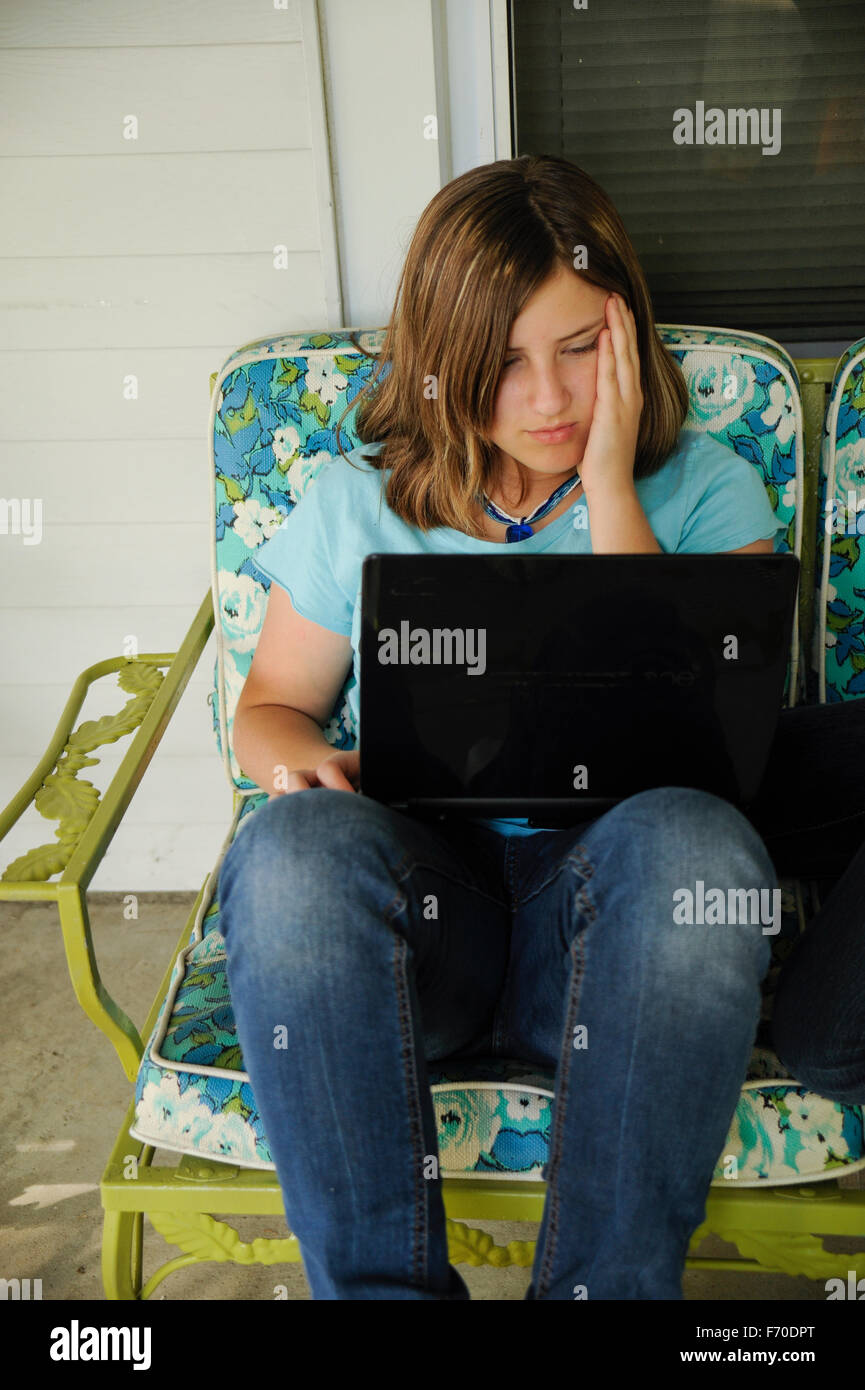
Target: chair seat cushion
[193, 1096]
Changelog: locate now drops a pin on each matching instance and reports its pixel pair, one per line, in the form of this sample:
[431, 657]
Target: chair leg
[122, 1241]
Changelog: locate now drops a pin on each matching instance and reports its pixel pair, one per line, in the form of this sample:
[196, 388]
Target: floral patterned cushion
[274, 408]
[494, 1114]
[840, 635]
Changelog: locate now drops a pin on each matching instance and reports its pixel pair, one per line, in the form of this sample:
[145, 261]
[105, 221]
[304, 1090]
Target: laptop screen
[510, 683]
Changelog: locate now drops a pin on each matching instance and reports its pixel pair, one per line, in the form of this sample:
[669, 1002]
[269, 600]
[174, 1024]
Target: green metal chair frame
[774, 1229]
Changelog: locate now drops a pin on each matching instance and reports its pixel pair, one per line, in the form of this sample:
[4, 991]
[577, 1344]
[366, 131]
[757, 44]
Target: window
[730, 134]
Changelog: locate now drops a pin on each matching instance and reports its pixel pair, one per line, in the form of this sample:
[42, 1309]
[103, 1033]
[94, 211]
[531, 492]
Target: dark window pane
[728, 236]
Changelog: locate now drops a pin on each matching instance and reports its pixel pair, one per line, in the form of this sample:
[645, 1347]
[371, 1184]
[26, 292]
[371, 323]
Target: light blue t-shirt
[704, 499]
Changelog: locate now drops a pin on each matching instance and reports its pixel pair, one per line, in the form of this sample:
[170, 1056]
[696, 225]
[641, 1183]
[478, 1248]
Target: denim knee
[817, 1048]
[302, 859]
[698, 819]
[699, 872]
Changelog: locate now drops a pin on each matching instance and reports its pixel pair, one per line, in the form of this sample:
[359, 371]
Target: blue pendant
[521, 530]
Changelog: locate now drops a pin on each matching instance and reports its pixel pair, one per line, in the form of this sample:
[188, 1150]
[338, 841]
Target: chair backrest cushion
[274, 408]
[839, 633]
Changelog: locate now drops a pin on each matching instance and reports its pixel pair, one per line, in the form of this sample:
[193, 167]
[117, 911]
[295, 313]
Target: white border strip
[502, 79]
[310, 28]
[798, 1179]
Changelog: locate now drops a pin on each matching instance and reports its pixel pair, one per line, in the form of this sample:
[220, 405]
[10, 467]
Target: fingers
[341, 772]
[608, 368]
[623, 346]
[299, 782]
[606, 355]
[631, 329]
[330, 774]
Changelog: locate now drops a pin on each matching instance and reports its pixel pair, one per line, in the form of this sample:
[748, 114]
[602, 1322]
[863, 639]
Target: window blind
[730, 232]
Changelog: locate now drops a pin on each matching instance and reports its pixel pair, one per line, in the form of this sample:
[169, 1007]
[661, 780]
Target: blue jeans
[810, 814]
[383, 941]
[818, 1021]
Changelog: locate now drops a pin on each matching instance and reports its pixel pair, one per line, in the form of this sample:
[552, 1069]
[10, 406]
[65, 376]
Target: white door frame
[473, 83]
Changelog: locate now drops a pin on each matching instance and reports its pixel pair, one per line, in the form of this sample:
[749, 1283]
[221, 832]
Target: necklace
[521, 528]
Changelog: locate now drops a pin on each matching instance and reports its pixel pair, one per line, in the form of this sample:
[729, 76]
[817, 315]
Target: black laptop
[553, 686]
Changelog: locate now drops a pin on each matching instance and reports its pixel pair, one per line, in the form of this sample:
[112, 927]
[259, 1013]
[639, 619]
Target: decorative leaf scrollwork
[473, 1246]
[794, 1254]
[74, 803]
[200, 1235]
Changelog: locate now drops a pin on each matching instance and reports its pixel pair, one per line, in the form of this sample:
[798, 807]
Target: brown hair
[484, 244]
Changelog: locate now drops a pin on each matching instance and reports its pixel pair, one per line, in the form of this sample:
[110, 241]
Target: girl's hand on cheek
[608, 458]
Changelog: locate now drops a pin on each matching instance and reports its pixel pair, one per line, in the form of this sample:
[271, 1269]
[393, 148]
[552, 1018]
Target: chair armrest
[87, 824]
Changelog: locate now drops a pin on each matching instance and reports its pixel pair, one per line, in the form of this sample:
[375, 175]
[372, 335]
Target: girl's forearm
[269, 738]
[618, 523]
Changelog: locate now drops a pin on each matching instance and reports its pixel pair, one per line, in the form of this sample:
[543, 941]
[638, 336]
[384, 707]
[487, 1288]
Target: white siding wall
[153, 257]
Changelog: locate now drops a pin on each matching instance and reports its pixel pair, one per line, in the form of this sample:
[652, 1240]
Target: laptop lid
[520, 685]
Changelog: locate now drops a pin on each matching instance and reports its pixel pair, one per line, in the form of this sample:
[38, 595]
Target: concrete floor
[61, 1113]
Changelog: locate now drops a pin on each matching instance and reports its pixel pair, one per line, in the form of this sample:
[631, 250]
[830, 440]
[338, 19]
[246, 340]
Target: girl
[516, 384]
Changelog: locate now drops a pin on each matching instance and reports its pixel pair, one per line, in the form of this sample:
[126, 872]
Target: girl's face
[549, 375]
